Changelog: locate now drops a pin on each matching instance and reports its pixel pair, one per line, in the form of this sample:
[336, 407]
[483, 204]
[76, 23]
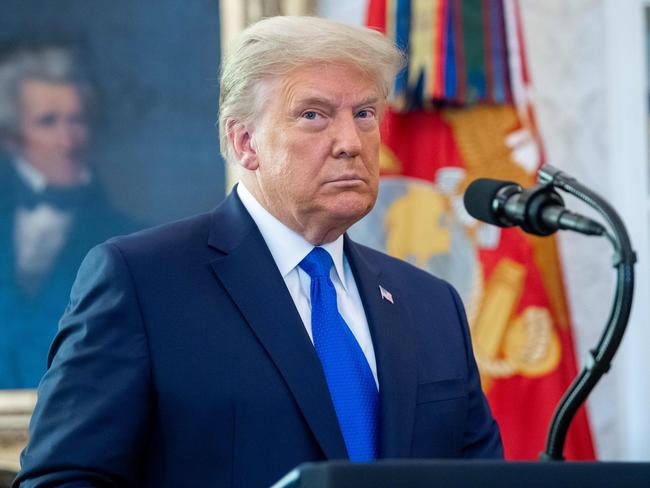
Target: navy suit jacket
[182, 361]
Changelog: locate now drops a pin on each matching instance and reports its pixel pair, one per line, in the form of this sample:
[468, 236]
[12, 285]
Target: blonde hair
[269, 49]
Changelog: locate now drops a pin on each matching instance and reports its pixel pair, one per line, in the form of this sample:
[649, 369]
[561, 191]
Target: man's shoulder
[173, 239]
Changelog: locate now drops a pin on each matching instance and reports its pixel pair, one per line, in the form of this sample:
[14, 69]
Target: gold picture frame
[16, 408]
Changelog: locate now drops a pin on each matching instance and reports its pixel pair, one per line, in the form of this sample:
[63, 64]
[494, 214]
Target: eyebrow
[368, 101]
[315, 100]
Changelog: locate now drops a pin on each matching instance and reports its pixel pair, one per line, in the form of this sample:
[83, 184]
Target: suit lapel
[250, 276]
[394, 350]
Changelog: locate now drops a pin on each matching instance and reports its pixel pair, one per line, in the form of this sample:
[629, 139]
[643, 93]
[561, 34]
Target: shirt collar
[287, 247]
[30, 175]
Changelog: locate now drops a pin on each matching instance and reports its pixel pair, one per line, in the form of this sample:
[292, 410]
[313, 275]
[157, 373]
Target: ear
[241, 141]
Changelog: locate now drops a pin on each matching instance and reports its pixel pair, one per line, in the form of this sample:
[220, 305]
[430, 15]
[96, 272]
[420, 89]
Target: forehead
[336, 83]
[38, 96]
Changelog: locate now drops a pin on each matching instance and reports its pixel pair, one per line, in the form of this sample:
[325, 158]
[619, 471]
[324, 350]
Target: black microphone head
[480, 198]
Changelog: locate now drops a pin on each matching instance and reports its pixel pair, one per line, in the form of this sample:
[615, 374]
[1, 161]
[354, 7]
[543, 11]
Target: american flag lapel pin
[385, 294]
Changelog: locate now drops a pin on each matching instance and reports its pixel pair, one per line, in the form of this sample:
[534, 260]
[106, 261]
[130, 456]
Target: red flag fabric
[511, 282]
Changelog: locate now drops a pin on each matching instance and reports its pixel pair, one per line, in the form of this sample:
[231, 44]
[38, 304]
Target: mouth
[347, 180]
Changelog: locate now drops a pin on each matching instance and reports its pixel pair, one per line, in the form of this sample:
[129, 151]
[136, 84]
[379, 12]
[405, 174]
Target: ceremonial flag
[460, 112]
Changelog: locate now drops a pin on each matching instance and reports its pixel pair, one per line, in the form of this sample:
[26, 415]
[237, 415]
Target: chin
[351, 209]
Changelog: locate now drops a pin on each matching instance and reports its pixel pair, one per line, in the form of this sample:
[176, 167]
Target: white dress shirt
[288, 249]
[39, 233]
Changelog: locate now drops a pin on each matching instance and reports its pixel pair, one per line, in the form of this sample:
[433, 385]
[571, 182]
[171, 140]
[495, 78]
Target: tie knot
[317, 263]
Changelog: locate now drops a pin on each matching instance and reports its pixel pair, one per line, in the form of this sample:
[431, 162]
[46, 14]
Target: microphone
[539, 210]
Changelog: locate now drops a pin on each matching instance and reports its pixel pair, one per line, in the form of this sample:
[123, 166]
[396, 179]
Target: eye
[310, 115]
[365, 114]
[46, 120]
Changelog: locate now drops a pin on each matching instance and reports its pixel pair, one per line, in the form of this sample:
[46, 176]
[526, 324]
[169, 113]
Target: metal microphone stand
[600, 357]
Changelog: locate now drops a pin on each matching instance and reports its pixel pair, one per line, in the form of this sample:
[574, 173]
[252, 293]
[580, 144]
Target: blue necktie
[349, 378]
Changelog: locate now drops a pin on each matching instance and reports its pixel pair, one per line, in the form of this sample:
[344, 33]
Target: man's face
[317, 146]
[53, 128]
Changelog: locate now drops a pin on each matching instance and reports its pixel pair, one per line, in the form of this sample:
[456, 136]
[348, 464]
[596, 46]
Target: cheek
[374, 183]
[297, 180]
[371, 155]
[304, 146]
[34, 139]
[80, 135]
[305, 159]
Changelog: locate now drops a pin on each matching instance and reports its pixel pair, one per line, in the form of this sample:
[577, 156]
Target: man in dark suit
[225, 349]
[52, 210]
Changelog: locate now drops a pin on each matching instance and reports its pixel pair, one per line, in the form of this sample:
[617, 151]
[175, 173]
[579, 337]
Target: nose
[65, 138]
[347, 143]
[70, 135]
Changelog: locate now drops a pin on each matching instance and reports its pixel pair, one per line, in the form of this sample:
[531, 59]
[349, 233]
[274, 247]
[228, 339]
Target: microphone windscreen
[479, 196]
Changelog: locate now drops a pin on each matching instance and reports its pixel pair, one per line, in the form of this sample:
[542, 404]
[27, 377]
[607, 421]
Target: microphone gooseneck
[540, 210]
